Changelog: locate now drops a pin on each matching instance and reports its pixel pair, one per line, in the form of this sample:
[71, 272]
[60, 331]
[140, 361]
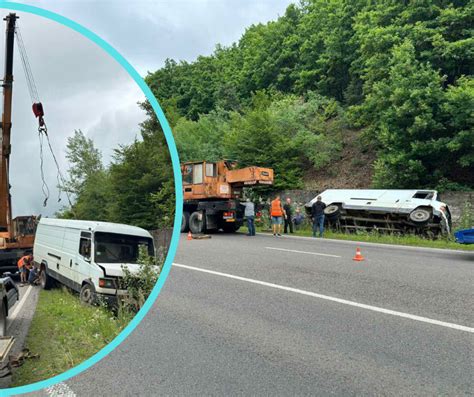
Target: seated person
[33, 277]
[298, 219]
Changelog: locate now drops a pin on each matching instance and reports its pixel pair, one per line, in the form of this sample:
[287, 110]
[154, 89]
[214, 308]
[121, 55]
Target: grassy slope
[386, 239]
[64, 332]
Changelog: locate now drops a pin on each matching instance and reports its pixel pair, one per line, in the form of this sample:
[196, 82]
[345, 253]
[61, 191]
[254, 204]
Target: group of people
[283, 214]
[28, 272]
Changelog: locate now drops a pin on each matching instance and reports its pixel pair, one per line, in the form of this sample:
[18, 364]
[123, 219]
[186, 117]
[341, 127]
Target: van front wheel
[45, 280]
[87, 294]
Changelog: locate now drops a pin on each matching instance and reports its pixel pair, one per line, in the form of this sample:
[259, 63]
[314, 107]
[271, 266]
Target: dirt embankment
[353, 169]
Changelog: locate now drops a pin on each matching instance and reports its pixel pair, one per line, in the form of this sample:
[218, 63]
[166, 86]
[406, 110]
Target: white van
[390, 210]
[88, 256]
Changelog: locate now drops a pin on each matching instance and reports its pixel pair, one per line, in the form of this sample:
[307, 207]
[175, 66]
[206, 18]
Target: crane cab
[203, 180]
[212, 191]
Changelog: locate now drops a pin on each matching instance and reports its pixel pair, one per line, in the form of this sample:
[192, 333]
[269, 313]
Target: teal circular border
[178, 196]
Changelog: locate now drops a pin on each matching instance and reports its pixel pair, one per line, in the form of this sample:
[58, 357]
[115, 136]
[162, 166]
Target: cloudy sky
[81, 87]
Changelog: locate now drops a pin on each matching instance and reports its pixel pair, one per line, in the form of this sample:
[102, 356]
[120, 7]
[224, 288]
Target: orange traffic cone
[190, 236]
[358, 256]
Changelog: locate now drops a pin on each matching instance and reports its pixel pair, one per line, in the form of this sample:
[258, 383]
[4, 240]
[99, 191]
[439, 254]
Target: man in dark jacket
[317, 214]
[288, 216]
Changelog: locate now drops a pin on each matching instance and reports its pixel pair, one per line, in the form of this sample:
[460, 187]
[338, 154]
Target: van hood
[115, 269]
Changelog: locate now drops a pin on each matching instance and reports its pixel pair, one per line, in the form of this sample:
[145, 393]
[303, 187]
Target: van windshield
[120, 248]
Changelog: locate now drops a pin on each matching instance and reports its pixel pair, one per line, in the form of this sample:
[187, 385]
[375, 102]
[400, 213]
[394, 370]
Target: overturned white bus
[391, 211]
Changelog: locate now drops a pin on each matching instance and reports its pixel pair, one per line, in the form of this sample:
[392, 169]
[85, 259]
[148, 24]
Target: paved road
[18, 323]
[288, 316]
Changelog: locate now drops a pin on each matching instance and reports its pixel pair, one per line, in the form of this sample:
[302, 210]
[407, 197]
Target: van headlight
[107, 283]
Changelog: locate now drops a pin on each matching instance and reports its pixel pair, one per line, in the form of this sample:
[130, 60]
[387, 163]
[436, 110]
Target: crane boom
[16, 235]
[5, 198]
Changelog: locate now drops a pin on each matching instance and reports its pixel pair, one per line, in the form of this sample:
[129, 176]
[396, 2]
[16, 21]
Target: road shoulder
[369, 244]
[19, 326]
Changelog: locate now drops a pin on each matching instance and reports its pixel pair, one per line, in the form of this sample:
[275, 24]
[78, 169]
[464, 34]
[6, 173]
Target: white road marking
[19, 305]
[369, 244]
[333, 299]
[60, 390]
[302, 252]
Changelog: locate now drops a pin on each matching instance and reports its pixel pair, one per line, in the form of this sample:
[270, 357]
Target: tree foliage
[282, 133]
[136, 188]
[402, 70]
[85, 162]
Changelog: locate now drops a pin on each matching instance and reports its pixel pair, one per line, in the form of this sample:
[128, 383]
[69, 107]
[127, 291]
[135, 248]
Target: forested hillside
[374, 91]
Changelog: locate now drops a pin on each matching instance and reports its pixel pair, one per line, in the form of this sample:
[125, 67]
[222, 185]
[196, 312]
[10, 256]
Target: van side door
[83, 260]
[69, 252]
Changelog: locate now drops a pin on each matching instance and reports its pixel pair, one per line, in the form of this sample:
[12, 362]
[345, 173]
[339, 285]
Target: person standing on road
[277, 212]
[288, 216]
[250, 215]
[317, 214]
[24, 265]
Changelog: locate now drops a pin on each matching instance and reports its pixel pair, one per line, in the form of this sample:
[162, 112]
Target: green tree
[199, 140]
[136, 189]
[93, 203]
[140, 179]
[411, 116]
[85, 160]
[398, 69]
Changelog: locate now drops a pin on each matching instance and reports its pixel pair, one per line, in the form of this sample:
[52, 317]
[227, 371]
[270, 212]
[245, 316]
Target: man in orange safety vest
[24, 265]
[277, 212]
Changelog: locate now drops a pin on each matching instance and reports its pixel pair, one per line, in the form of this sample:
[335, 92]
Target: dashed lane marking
[60, 390]
[302, 252]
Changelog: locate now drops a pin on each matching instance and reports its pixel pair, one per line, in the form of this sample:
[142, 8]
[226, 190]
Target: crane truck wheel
[196, 225]
[185, 222]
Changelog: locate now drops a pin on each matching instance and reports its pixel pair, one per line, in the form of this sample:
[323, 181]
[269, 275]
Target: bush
[466, 221]
[140, 284]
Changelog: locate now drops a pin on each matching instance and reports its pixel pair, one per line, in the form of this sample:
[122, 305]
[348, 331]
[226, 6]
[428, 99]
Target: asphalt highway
[263, 315]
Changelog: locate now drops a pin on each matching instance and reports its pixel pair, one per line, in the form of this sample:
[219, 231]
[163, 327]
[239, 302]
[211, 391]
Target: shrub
[140, 284]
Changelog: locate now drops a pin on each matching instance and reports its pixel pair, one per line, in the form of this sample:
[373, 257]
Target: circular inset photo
[87, 199]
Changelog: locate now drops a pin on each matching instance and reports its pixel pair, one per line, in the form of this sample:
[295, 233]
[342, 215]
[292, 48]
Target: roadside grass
[64, 333]
[409, 240]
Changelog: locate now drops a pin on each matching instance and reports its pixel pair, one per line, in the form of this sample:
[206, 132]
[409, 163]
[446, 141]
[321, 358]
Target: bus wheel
[420, 216]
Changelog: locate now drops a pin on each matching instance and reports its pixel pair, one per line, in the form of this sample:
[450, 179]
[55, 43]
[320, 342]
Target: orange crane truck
[16, 235]
[212, 192]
